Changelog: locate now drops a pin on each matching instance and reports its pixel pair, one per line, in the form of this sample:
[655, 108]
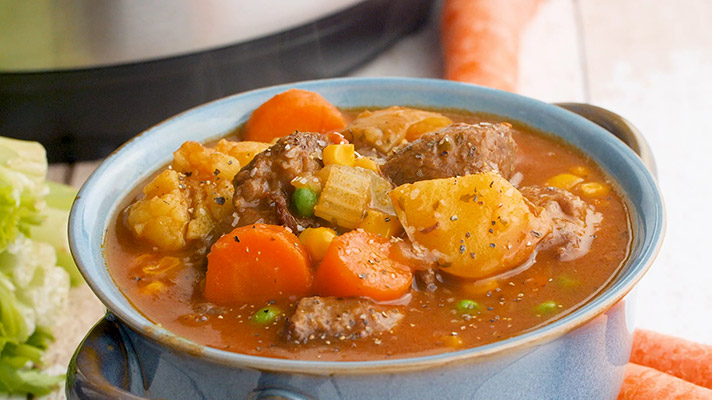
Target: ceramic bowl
[581, 355]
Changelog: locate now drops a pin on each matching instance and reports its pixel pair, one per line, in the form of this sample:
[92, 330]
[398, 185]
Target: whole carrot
[679, 357]
[480, 40]
[643, 383]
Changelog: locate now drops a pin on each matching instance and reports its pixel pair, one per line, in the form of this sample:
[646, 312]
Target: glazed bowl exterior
[581, 355]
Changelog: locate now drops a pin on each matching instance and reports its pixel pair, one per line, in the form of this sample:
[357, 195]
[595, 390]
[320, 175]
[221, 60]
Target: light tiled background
[648, 60]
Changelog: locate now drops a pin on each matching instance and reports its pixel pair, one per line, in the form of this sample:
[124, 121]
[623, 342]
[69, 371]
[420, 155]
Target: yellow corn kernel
[317, 241]
[309, 181]
[381, 224]
[341, 154]
[564, 181]
[366, 163]
[452, 341]
[480, 287]
[580, 170]
[153, 289]
[594, 189]
[165, 264]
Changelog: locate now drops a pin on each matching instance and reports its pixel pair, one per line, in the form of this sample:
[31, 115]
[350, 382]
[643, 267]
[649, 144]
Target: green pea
[467, 306]
[547, 308]
[567, 282]
[266, 315]
[304, 200]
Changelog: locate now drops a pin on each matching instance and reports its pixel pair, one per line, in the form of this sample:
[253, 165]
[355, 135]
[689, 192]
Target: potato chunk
[196, 160]
[244, 151]
[476, 225]
[162, 216]
[184, 203]
[385, 129]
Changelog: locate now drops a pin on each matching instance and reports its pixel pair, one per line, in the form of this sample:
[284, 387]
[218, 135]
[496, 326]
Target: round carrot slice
[358, 263]
[293, 110]
[255, 264]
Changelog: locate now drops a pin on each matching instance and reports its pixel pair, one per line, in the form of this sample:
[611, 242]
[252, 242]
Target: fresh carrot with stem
[293, 110]
[480, 40]
[676, 356]
[257, 263]
[359, 263]
[644, 383]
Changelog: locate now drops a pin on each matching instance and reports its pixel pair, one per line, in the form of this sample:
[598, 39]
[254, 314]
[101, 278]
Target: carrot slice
[293, 110]
[480, 40]
[255, 264]
[643, 383]
[679, 357]
[359, 263]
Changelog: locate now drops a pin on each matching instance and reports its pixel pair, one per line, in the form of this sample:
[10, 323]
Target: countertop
[647, 60]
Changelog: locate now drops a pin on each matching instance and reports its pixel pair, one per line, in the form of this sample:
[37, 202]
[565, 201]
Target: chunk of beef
[262, 187]
[573, 222]
[459, 149]
[330, 317]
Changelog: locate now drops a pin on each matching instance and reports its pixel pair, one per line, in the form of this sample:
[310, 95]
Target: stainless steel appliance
[83, 76]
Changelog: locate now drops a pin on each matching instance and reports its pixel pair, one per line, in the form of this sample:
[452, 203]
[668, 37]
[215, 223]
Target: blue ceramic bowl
[581, 355]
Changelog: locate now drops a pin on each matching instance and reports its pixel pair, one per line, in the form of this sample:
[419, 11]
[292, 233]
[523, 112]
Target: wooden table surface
[648, 60]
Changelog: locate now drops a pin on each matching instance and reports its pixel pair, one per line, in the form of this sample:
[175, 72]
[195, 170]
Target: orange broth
[507, 307]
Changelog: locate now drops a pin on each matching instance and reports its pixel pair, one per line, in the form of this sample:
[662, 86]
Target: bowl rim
[602, 302]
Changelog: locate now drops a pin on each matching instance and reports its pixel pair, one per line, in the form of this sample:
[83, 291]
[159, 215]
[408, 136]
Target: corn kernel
[480, 287]
[452, 341]
[317, 241]
[341, 154]
[594, 189]
[580, 170]
[309, 181]
[163, 265]
[367, 163]
[381, 224]
[153, 289]
[564, 181]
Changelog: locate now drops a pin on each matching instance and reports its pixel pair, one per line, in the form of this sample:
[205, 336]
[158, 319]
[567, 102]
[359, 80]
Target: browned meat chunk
[262, 188]
[573, 222]
[330, 317]
[459, 149]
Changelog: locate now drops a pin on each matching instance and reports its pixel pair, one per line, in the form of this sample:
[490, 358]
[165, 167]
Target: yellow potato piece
[390, 127]
[476, 225]
[243, 151]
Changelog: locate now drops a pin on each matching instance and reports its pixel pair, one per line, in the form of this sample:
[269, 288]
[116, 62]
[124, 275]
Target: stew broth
[507, 306]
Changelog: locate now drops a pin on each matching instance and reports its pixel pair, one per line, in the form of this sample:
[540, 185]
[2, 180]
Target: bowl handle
[86, 377]
[618, 126]
[102, 366]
